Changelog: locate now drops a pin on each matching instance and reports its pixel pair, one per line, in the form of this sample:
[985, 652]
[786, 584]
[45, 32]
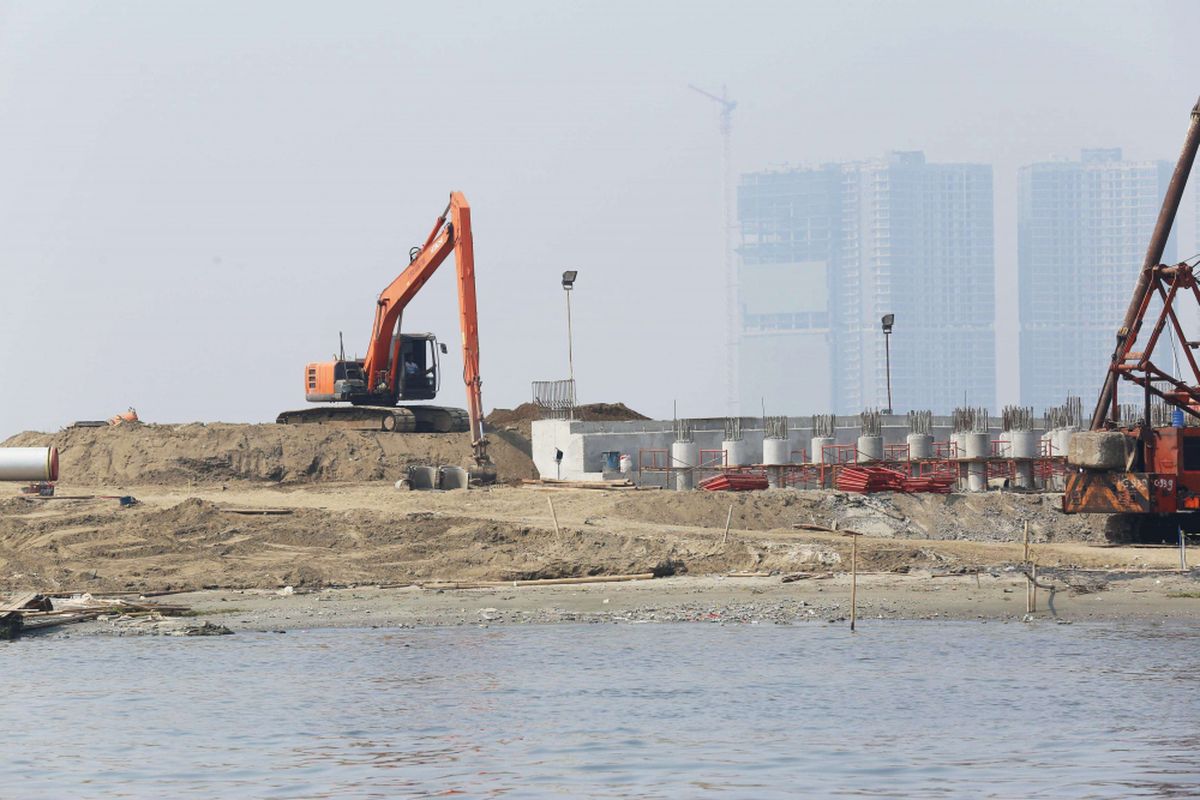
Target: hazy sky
[196, 197]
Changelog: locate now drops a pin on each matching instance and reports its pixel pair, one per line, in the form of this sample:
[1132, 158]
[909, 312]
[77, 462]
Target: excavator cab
[419, 365]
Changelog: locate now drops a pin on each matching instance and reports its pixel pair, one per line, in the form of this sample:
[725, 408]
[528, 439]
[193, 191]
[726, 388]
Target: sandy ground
[319, 558]
[193, 537]
[229, 516]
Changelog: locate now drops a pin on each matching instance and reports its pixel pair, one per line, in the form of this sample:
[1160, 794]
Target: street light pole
[570, 346]
[888, 320]
[568, 283]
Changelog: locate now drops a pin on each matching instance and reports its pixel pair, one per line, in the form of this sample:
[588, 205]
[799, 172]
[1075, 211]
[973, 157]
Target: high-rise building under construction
[827, 251]
[1082, 229]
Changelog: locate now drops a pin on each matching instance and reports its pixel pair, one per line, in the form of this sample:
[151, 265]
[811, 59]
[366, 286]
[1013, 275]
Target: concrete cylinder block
[776, 451]
[1099, 449]
[977, 447]
[1062, 440]
[870, 448]
[451, 477]
[736, 452]
[420, 477]
[920, 445]
[684, 458]
[817, 451]
[1025, 446]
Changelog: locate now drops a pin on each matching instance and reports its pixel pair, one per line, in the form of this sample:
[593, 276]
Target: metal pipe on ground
[28, 463]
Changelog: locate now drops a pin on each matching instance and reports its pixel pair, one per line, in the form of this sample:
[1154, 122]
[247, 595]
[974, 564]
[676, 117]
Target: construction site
[370, 485]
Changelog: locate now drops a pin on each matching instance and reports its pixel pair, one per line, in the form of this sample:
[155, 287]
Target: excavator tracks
[398, 419]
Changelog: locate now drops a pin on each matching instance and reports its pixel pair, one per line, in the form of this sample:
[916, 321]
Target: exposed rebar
[871, 422]
[775, 427]
[920, 422]
[1017, 418]
[824, 425]
[1068, 415]
[733, 429]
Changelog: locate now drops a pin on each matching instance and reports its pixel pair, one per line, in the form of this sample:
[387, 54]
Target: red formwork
[868, 479]
[839, 454]
[653, 459]
[932, 474]
[947, 449]
[734, 481]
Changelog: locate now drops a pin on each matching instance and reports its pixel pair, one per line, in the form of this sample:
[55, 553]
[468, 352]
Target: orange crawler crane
[1149, 473]
[400, 367]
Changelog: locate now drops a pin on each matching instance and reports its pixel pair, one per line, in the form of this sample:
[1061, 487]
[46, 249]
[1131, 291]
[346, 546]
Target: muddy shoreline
[996, 597]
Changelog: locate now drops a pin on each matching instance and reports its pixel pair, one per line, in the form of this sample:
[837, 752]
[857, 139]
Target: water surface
[901, 709]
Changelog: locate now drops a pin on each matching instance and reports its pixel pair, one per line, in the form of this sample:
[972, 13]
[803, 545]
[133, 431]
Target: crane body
[402, 367]
[1134, 467]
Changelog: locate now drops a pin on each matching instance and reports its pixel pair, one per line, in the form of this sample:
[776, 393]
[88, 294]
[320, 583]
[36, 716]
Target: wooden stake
[1182, 551]
[853, 580]
[554, 514]
[728, 521]
[1033, 589]
[1026, 559]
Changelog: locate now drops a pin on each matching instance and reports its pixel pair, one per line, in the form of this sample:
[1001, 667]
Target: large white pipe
[28, 463]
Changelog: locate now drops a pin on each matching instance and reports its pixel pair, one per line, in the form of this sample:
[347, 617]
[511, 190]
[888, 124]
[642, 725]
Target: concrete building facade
[1082, 231]
[827, 251]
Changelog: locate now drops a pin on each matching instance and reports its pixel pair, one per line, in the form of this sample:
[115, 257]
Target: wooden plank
[19, 601]
[602, 485]
[641, 576]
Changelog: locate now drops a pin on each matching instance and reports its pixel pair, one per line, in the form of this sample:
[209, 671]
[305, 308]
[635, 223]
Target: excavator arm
[450, 234]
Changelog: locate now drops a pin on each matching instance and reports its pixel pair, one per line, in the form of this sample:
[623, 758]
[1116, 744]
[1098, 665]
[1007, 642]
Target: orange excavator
[373, 392]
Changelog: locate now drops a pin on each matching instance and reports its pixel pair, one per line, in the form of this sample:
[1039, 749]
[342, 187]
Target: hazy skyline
[198, 197]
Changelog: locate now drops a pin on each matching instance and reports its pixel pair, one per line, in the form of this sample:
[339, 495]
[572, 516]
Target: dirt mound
[97, 546]
[201, 453]
[991, 516]
[593, 412]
